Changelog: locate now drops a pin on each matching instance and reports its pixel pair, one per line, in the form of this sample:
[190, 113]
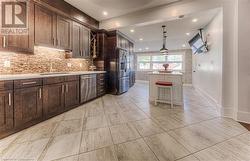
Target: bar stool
[164, 85]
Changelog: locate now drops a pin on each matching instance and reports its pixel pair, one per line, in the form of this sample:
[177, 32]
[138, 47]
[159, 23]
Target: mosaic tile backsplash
[43, 60]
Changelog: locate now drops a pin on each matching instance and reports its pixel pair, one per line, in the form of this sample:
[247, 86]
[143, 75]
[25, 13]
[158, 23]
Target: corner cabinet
[80, 41]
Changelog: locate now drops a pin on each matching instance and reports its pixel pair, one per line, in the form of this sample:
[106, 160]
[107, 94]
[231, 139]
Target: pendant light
[164, 50]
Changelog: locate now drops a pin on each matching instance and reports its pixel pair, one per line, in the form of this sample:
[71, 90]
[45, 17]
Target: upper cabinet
[80, 41]
[64, 33]
[51, 29]
[20, 43]
[45, 21]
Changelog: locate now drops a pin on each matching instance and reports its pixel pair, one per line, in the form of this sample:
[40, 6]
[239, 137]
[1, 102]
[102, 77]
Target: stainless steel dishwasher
[88, 87]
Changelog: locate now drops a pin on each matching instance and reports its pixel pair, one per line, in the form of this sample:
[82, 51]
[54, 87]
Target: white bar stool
[165, 85]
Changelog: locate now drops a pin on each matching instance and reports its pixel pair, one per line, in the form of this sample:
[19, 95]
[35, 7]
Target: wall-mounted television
[197, 44]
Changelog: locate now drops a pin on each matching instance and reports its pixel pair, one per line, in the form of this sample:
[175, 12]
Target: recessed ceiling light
[105, 13]
[184, 45]
[132, 30]
[118, 24]
[195, 20]
[141, 39]
[140, 49]
[187, 33]
[146, 48]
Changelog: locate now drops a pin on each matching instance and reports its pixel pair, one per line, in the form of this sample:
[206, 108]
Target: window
[156, 61]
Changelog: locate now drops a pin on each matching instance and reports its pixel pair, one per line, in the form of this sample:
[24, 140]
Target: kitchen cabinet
[64, 33]
[45, 29]
[28, 106]
[71, 94]
[53, 99]
[6, 111]
[22, 42]
[80, 41]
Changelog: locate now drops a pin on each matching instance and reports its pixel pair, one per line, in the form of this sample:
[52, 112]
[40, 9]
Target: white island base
[175, 78]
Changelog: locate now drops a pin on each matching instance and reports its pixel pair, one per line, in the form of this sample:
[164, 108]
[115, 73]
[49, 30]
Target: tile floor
[128, 128]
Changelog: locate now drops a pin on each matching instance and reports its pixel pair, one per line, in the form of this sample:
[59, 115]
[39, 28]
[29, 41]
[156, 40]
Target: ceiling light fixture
[141, 39]
[184, 45]
[105, 13]
[164, 50]
[140, 49]
[132, 30]
[195, 20]
[187, 33]
[146, 48]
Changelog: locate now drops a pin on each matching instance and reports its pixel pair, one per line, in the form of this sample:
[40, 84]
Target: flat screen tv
[197, 44]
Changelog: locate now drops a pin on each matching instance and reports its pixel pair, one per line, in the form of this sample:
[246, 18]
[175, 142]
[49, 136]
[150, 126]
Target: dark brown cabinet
[101, 84]
[22, 42]
[6, 111]
[71, 94]
[53, 99]
[28, 106]
[80, 41]
[64, 32]
[45, 29]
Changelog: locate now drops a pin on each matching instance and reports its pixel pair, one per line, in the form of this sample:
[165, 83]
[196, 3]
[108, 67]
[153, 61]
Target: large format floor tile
[136, 150]
[166, 148]
[95, 139]
[123, 133]
[94, 122]
[105, 154]
[63, 146]
[68, 127]
[147, 127]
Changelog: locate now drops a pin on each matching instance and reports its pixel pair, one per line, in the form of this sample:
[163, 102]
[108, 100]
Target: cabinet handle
[40, 93]
[10, 99]
[29, 83]
[62, 89]
[57, 42]
[4, 42]
[67, 88]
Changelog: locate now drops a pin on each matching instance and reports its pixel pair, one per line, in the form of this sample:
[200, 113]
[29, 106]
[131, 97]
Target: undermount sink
[53, 73]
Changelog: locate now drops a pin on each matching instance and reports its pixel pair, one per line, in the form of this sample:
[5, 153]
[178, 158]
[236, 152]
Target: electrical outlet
[6, 64]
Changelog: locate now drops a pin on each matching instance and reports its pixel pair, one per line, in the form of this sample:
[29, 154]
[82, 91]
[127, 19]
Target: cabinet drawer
[6, 85]
[24, 83]
[72, 78]
[53, 80]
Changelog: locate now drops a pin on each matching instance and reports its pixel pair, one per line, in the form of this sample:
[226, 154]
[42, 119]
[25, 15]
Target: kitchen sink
[54, 73]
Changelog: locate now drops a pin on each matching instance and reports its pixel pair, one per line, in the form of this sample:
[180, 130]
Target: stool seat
[162, 83]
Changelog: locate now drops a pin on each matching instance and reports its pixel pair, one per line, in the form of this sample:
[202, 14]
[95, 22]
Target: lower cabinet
[28, 106]
[53, 99]
[72, 96]
[6, 111]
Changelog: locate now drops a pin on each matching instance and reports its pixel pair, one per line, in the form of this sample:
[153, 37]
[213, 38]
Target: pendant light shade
[164, 50]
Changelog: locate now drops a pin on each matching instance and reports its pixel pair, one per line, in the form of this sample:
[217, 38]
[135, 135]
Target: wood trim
[247, 126]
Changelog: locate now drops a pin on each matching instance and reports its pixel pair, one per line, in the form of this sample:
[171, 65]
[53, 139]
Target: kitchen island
[175, 78]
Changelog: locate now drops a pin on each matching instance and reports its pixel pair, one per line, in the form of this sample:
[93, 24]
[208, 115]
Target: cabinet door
[76, 46]
[64, 27]
[71, 94]
[6, 111]
[53, 99]
[44, 27]
[85, 42]
[28, 106]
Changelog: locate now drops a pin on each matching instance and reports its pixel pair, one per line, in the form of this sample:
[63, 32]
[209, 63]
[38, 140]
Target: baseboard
[187, 85]
[141, 81]
[226, 112]
[243, 117]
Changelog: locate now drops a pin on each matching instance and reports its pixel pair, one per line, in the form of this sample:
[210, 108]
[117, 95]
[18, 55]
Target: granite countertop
[45, 75]
[162, 73]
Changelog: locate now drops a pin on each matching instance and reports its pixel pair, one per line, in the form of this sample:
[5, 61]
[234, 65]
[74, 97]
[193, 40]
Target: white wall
[208, 66]
[243, 113]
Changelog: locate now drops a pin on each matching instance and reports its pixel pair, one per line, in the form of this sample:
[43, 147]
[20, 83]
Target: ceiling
[176, 29]
[114, 8]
